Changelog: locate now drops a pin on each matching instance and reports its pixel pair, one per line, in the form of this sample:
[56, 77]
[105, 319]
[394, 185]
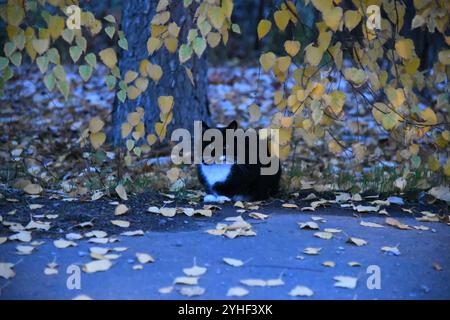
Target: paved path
[272, 253]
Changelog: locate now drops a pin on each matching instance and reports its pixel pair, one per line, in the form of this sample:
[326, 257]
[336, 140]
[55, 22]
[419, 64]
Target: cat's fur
[227, 181]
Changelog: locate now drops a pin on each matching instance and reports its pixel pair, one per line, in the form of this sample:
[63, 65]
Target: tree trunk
[190, 103]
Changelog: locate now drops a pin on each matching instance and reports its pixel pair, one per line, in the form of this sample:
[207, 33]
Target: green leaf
[111, 82]
[110, 18]
[185, 53]
[236, 29]
[53, 56]
[9, 48]
[49, 81]
[123, 43]
[16, 58]
[199, 46]
[7, 73]
[63, 87]
[85, 72]
[122, 95]
[3, 63]
[42, 63]
[91, 59]
[110, 30]
[59, 73]
[75, 53]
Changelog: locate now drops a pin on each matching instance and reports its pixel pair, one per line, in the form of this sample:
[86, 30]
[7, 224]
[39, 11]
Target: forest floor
[340, 248]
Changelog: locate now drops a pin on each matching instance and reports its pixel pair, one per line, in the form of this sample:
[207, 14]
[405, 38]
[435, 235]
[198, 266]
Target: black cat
[230, 180]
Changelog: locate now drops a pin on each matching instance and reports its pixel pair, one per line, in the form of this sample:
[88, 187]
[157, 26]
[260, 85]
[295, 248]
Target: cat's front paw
[214, 198]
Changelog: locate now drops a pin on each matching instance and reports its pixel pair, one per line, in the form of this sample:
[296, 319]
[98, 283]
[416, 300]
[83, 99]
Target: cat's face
[208, 148]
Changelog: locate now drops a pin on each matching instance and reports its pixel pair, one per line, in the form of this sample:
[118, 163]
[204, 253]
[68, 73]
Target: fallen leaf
[144, 258]
[301, 291]
[24, 250]
[153, 210]
[289, 205]
[96, 266]
[194, 271]
[186, 280]
[324, 235]
[361, 208]
[24, 236]
[345, 282]
[312, 251]
[120, 190]
[309, 225]
[133, 233]
[121, 223]
[165, 290]
[392, 250]
[62, 244]
[239, 204]
[233, 262]
[357, 241]
[258, 216]
[437, 266]
[237, 292]
[371, 224]
[6, 270]
[330, 264]
[397, 224]
[354, 264]
[120, 209]
[168, 212]
[254, 282]
[192, 291]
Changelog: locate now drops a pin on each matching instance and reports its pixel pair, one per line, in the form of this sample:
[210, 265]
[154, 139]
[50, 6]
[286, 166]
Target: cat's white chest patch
[215, 173]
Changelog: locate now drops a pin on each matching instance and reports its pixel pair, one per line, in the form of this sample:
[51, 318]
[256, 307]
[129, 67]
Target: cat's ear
[204, 126]
[233, 125]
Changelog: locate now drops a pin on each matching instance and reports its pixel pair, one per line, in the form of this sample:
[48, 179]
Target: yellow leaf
[292, 47]
[433, 163]
[412, 65]
[281, 19]
[126, 129]
[216, 16]
[134, 118]
[109, 57]
[130, 76]
[333, 18]
[322, 5]
[165, 103]
[155, 72]
[395, 96]
[171, 44]
[213, 39]
[143, 65]
[404, 48]
[96, 125]
[267, 60]
[153, 44]
[97, 139]
[133, 92]
[429, 116]
[151, 139]
[161, 130]
[283, 63]
[352, 18]
[263, 28]
[41, 45]
[313, 55]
